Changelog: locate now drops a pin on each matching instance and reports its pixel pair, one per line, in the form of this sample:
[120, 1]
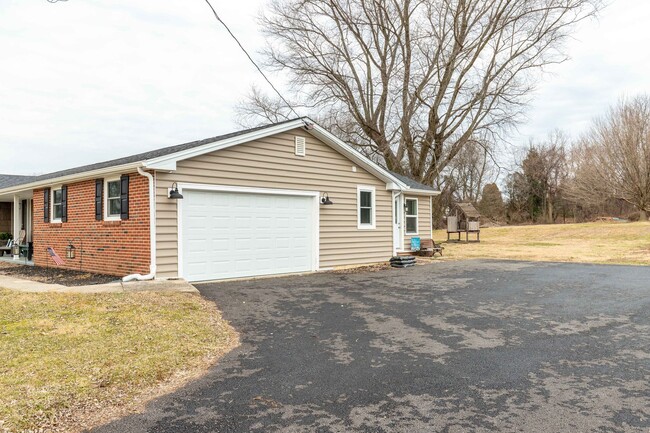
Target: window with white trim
[365, 207]
[57, 204]
[411, 206]
[112, 192]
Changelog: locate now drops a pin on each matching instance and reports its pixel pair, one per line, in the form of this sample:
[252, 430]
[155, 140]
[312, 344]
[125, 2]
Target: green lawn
[614, 243]
[68, 360]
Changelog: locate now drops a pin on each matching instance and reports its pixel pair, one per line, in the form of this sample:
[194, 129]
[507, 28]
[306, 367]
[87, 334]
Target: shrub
[634, 216]
[5, 236]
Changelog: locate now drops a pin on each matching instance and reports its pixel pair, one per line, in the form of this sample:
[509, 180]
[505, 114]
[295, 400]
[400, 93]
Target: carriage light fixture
[173, 192]
[325, 200]
[70, 251]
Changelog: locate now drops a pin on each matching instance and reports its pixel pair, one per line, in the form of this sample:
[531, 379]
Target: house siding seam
[271, 162]
[109, 247]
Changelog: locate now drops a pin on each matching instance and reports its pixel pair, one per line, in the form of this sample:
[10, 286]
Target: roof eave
[72, 177]
[430, 192]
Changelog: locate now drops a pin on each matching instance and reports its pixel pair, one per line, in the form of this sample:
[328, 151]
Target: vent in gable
[300, 146]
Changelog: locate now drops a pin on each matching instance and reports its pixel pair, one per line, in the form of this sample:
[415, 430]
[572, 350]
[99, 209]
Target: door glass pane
[396, 214]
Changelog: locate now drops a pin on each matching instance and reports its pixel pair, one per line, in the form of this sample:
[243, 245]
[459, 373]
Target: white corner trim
[373, 213]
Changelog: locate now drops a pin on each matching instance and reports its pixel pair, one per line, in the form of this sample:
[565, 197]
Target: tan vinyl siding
[271, 163]
[424, 220]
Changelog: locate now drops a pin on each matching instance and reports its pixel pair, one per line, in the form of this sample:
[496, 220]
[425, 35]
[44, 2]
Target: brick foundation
[109, 247]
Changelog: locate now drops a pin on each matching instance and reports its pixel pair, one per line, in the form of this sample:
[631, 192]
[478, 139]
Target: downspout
[152, 232]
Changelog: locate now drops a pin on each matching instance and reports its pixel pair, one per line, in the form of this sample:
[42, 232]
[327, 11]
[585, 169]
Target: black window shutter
[99, 198]
[64, 204]
[124, 197]
[46, 205]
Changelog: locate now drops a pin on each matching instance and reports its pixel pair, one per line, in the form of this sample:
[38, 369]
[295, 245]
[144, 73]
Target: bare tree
[414, 81]
[469, 171]
[613, 159]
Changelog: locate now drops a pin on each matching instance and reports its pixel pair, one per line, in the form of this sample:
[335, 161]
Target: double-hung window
[57, 204]
[411, 216]
[113, 205]
[366, 207]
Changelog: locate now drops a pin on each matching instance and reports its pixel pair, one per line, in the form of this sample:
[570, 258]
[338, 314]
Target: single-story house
[284, 198]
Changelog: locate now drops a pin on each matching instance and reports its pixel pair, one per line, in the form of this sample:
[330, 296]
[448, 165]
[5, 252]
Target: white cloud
[609, 60]
[87, 80]
[84, 81]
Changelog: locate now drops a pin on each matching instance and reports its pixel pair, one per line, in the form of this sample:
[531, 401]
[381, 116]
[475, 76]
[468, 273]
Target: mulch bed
[65, 277]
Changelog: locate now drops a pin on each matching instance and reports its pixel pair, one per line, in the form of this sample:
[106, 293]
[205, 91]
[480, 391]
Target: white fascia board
[423, 191]
[76, 177]
[167, 161]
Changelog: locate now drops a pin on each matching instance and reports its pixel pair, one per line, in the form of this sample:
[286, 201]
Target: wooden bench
[429, 248]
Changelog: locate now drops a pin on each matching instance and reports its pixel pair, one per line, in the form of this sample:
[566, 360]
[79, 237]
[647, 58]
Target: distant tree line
[605, 173]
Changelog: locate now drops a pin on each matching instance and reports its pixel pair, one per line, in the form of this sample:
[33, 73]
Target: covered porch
[16, 223]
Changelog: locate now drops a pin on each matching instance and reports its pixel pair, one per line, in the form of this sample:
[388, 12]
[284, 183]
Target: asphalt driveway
[447, 347]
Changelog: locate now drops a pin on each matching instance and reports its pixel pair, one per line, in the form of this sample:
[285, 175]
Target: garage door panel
[229, 235]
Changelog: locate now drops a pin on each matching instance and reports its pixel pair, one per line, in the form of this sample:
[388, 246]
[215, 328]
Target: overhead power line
[216, 15]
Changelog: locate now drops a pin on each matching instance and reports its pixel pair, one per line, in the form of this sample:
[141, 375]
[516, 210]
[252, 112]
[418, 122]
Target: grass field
[614, 243]
[68, 361]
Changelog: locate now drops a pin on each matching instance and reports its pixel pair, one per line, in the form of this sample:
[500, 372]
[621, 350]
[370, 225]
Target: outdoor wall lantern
[325, 200]
[173, 192]
[70, 251]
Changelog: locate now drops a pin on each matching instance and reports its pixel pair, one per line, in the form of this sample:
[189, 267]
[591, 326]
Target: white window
[57, 204]
[112, 206]
[366, 207]
[411, 216]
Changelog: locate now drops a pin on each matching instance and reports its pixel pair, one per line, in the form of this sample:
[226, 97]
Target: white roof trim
[168, 162]
[84, 175]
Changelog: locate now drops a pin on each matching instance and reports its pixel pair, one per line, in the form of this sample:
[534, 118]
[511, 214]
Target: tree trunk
[643, 215]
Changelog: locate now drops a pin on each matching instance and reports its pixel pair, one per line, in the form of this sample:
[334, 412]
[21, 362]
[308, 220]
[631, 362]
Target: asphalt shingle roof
[19, 180]
[412, 183]
[7, 180]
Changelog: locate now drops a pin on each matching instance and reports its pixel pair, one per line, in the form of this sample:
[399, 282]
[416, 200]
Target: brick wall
[109, 247]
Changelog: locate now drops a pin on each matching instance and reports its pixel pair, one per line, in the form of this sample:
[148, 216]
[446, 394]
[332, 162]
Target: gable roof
[468, 209]
[166, 158]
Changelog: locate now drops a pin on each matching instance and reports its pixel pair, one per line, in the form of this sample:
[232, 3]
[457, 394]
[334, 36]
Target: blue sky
[87, 80]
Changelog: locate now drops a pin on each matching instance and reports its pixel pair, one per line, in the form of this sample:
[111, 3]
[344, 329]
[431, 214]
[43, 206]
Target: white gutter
[422, 191]
[152, 232]
[76, 177]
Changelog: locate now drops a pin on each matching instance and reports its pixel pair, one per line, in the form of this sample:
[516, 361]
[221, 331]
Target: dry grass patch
[613, 243]
[70, 361]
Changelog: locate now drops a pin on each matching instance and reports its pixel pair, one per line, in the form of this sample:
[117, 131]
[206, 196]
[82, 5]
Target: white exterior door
[397, 223]
[244, 234]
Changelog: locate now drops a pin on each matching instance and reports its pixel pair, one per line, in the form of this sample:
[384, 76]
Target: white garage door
[233, 234]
